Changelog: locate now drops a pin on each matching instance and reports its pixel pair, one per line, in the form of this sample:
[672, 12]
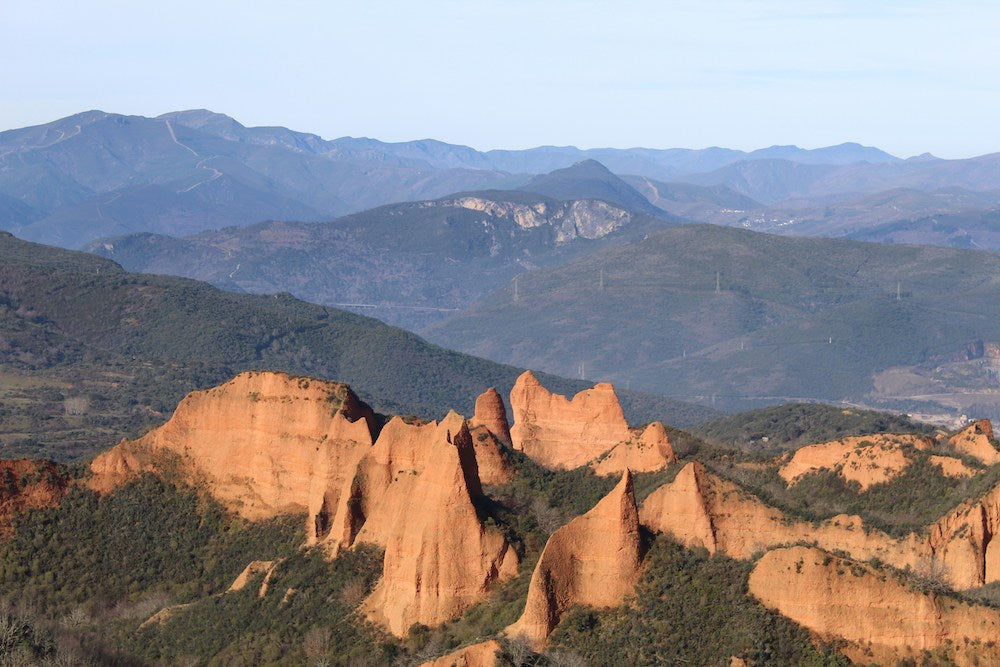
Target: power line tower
[718, 282]
[899, 292]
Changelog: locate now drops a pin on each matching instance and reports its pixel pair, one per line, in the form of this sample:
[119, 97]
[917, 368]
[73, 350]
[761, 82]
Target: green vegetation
[90, 354]
[908, 502]
[750, 319]
[690, 609]
[788, 427]
[147, 538]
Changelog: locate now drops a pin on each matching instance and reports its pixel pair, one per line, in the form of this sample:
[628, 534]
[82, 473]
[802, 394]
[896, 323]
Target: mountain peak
[589, 179]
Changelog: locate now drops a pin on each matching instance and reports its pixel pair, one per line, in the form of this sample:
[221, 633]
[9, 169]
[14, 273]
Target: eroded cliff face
[560, 433]
[701, 509]
[593, 560]
[881, 615]
[582, 218]
[865, 459]
[964, 542]
[976, 440]
[27, 484]
[412, 494]
[648, 450]
[261, 444]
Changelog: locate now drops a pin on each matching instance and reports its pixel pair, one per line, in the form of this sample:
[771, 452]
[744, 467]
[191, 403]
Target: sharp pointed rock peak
[593, 560]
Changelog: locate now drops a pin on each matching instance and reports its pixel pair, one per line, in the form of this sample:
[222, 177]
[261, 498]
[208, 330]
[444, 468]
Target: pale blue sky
[908, 77]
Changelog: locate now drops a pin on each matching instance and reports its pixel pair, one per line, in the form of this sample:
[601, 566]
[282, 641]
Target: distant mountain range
[97, 175]
[410, 264]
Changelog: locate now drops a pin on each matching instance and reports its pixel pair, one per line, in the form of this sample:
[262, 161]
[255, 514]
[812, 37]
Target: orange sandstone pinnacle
[592, 560]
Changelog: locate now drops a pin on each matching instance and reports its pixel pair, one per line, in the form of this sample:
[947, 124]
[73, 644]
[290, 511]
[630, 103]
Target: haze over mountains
[98, 174]
[255, 210]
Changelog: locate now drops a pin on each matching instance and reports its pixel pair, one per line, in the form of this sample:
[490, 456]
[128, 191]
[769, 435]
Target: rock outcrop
[490, 434]
[483, 654]
[873, 609]
[560, 433]
[27, 484]
[580, 218]
[701, 509]
[976, 440]
[964, 543]
[593, 560]
[261, 444]
[865, 459]
[648, 450]
[413, 495]
[491, 413]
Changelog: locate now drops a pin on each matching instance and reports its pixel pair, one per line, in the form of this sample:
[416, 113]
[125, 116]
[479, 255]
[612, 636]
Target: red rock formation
[491, 413]
[846, 599]
[646, 451]
[593, 560]
[560, 433]
[493, 467]
[262, 444]
[976, 440]
[865, 459]
[25, 485]
[700, 509]
[412, 494]
[483, 654]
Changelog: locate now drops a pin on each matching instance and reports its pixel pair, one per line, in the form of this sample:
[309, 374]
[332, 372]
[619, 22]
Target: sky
[908, 77]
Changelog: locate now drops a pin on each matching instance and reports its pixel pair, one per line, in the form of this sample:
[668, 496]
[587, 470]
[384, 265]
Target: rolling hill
[90, 353]
[412, 263]
[743, 319]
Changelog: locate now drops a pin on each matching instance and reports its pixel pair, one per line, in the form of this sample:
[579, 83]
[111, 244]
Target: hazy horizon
[907, 78]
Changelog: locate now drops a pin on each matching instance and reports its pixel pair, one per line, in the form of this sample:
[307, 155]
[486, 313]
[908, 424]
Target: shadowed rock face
[412, 495]
[262, 444]
[560, 433]
[837, 597]
[593, 560]
[25, 485]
